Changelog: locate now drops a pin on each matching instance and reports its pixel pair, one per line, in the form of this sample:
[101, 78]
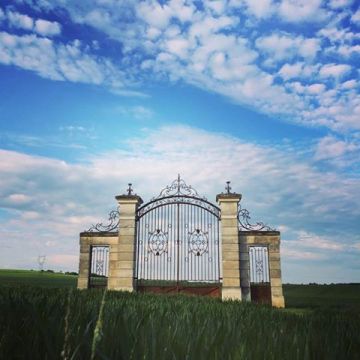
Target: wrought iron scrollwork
[158, 242]
[244, 222]
[112, 225]
[178, 192]
[178, 188]
[198, 242]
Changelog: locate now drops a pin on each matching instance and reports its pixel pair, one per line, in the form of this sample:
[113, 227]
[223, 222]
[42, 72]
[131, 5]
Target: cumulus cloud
[337, 151]
[20, 20]
[292, 75]
[286, 46]
[70, 62]
[47, 28]
[302, 10]
[334, 70]
[355, 18]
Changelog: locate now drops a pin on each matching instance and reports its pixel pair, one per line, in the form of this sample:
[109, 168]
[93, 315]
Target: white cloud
[355, 18]
[2, 15]
[260, 9]
[138, 112]
[334, 70]
[216, 48]
[340, 4]
[71, 62]
[331, 148]
[316, 88]
[350, 84]
[47, 28]
[301, 10]
[21, 21]
[286, 46]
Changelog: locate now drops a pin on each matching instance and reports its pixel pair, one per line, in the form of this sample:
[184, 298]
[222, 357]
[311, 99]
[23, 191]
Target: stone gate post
[229, 230]
[122, 259]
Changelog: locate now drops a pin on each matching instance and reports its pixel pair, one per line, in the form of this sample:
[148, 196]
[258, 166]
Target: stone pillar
[122, 259]
[228, 203]
[277, 298]
[84, 264]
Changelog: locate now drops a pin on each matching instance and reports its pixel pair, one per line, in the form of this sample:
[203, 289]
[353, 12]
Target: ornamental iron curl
[158, 242]
[178, 188]
[198, 242]
[113, 223]
[244, 224]
[178, 192]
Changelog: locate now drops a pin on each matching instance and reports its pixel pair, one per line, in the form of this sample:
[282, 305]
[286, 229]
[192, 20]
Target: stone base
[278, 301]
[231, 293]
[82, 283]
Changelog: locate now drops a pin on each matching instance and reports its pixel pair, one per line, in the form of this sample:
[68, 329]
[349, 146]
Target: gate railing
[99, 266]
[259, 264]
[178, 237]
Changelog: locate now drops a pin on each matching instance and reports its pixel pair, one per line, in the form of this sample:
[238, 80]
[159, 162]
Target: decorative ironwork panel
[245, 225]
[111, 226]
[259, 264]
[178, 237]
[99, 266]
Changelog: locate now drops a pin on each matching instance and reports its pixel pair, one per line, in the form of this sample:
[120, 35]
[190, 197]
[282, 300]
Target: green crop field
[43, 316]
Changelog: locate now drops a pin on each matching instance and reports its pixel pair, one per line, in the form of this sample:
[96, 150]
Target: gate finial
[130, 189]
[227, 187]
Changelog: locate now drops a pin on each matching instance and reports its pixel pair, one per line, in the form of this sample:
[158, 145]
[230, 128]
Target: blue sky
[99, 93]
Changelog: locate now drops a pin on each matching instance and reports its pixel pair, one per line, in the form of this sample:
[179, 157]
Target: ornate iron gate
[178, 239]
[259, 274]
[99, 266]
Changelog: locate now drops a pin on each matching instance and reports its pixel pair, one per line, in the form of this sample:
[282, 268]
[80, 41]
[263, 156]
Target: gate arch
[177, 240]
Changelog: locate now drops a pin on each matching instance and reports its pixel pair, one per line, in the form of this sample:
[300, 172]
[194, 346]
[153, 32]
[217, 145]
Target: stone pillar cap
[136, 198]
[228, 196]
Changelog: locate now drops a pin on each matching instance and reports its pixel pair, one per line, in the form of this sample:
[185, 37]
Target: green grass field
[43, 316]
[36, 278]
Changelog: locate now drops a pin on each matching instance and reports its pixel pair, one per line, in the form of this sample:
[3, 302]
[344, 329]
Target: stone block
[230, 265]
[248, 239]
[229, 231]
[126, 256]
[125, 248]
[82, 283]
[275, 282]
[231, 293]
[113, 255]
[274, 247]
[233, 247]
[276, 291]
[231, 282]
[230, 255]
[275, 273]
[274, 265]
[126, 273]
[124, 282]
[125, 264]
[126, 239]
[234, 273]
[278, 301]
[228, 239]
[274, 256]
[84, 248]
[127, 231]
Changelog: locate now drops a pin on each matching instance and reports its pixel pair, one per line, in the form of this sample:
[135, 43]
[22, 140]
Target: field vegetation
[54, 322]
